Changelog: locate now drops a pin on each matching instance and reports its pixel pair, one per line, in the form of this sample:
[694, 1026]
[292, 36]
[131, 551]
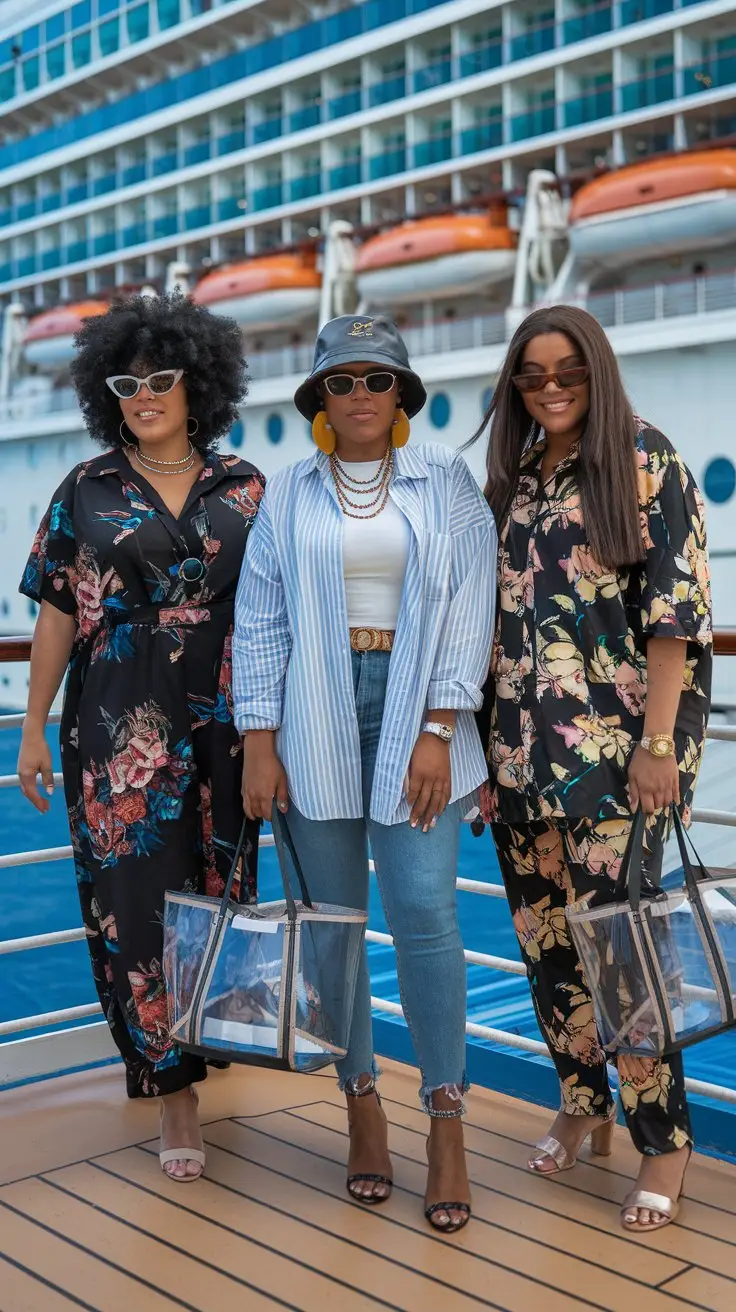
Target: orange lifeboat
[442, 255]
[685, 202]
[48, 341]
[270, 291]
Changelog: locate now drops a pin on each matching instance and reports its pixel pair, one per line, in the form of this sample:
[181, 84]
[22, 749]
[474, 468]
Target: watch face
[661, 749]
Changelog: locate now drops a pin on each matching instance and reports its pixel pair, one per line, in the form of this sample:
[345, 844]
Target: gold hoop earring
[323, 433]
[400, 429]
[191, 436]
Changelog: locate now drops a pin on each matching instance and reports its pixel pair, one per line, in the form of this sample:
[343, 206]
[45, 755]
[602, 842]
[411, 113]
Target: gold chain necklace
[342, 489]
[350, 481]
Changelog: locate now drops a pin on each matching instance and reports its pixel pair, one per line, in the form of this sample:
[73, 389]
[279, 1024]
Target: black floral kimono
[151, 758]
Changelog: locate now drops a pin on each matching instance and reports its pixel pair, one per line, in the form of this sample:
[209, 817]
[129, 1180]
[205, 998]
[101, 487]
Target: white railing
[707, 294]
[67, 1015]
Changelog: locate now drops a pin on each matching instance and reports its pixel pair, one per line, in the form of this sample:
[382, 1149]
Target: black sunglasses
[574, 376]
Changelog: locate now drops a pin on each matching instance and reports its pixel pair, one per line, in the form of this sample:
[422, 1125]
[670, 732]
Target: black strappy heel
[452, 1226]
[362, 1178]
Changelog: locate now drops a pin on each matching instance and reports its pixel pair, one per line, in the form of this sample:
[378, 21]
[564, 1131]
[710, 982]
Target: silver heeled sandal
[601, 1145]
[668, 1208]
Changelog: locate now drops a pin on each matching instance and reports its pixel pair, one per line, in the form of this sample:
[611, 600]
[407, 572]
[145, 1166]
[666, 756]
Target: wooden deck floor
[87, 1219]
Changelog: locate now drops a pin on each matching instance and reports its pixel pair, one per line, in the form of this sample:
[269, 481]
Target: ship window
[56, 60]
[107, 7]
[5, 606]
[29, 40]
[486, 399]
[168, 13]
[82, 13]
[439, 410]
[237, 434]
[138, 23]
[274, 428]
[81, 49]
[31, 73]
[7, 84]
[110, 36]
[54, 27]
[719, 480]
[32, 608]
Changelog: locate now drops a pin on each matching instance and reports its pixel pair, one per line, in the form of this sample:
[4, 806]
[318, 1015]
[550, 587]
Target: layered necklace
[169, 468]
[372, 493]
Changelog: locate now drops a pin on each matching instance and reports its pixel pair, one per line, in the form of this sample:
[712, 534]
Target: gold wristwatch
[659, 744]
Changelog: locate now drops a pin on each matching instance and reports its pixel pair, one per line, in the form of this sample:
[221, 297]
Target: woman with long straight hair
[597, 702]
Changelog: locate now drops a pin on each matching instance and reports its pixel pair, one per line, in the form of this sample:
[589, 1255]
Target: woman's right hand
[264, 777]
[34, 758]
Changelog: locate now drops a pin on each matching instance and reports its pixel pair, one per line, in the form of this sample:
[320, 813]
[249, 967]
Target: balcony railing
[637, 11]
[18, 1062]
[432, 151]
[653, 89]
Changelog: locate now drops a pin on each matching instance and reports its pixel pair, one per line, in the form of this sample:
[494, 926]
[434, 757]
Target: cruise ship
[454, 162]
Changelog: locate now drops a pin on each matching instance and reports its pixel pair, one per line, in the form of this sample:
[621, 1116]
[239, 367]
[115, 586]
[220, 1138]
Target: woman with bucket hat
[361, 645]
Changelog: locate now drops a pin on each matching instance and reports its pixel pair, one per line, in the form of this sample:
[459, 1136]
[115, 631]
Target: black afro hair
[165, 332]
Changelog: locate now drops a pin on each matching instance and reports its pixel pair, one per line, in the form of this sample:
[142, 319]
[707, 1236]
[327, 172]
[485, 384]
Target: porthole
[486, 399]
[439, 410]
[5, 606]
[274, 428]
[719, 480]
[237, 434]
[32, 609]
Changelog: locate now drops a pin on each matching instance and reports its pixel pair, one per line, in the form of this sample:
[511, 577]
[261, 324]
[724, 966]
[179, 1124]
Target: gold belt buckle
[362, 640]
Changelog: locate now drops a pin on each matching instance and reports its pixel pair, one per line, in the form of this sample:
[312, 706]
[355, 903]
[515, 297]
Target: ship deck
[88, 1220]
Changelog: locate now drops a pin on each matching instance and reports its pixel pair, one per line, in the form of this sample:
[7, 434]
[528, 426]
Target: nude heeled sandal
[601, 1145]
[182, 1154]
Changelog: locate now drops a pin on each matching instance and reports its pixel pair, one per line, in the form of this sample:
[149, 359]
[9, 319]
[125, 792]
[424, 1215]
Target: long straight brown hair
[607, 462]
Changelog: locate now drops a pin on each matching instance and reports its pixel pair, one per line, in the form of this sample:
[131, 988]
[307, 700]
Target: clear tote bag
[271, 984]
[660, 964]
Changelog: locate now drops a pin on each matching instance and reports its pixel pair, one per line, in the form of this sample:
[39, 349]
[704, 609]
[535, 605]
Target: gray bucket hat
[350, 340]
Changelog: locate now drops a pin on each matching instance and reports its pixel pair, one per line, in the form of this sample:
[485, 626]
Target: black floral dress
[565, 709]
[151, 758]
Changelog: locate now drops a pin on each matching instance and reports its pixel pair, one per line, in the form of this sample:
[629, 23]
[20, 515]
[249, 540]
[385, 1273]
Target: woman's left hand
[429, 780]
[654, 782]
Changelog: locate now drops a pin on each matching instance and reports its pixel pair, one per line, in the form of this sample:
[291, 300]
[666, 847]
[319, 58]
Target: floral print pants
[545, 865]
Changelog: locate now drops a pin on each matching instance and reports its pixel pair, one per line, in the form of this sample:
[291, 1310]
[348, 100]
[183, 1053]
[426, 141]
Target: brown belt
[371, 639]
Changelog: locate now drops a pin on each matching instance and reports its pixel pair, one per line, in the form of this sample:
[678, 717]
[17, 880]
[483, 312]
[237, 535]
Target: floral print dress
[151, 758]
[566, 700]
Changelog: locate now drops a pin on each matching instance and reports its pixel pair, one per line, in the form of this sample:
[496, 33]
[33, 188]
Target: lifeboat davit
[442, 255]
[268, 292]
[48, 341]
[660, 207]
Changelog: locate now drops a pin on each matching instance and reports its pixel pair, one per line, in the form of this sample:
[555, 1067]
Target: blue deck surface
[36, 899]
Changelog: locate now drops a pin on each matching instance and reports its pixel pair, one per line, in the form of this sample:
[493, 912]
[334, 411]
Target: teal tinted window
[168, 13]
[139, 23]
[31, 73]
[110, 36]
[54, 27]
[7, 84]
[56, 60]
[30, 39]
[81, 49]
[108, 7]
[81, 14]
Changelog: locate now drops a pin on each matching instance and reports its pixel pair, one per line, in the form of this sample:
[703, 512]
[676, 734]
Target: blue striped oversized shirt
[291, 652]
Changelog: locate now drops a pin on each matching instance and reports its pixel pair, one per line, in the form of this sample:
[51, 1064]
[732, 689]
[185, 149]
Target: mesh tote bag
[660, 964]
[271, 984]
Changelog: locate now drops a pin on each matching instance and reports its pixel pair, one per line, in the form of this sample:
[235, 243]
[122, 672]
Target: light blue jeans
[416, 875]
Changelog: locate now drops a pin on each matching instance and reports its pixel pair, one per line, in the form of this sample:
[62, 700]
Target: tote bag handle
[628, 884]
[284, 843]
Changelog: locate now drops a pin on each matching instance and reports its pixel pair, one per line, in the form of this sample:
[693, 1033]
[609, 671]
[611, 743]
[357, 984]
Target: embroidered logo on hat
[359, 329]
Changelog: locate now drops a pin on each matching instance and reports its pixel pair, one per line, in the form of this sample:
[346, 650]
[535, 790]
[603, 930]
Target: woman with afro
[135, 567]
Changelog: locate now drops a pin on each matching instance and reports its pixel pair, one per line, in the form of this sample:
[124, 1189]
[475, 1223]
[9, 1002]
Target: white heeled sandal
[168, 1155]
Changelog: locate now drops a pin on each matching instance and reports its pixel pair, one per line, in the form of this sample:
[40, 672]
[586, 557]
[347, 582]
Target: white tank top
[375, 554]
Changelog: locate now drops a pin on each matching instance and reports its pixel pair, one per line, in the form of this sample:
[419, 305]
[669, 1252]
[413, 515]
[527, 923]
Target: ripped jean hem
[350, 1084]
[454, 1091]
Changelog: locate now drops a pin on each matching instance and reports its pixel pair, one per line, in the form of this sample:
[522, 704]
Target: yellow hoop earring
[400, 429]
[323, 433]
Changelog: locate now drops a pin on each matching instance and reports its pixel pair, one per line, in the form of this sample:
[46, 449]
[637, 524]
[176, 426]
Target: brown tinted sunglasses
[572, 377]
